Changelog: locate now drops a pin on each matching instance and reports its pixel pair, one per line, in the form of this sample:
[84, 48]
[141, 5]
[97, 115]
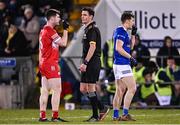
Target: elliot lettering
[143, 20]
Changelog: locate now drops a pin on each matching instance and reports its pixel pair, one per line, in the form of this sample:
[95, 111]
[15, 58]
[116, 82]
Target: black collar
[89, 26]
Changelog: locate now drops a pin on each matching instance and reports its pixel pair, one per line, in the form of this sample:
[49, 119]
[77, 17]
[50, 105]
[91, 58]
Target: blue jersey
[121, 34]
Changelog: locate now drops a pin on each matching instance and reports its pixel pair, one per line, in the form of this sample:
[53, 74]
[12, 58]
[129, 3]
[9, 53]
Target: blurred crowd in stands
[21, 21]
[158, 79]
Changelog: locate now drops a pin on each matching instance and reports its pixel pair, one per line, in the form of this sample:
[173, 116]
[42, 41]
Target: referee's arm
[91, 50]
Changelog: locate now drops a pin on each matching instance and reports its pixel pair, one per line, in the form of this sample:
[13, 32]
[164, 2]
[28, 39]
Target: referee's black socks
[93, 99]
[99, 103]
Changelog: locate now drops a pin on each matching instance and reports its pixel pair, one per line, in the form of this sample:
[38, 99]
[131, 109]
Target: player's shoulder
[120, 29]
[48, 30]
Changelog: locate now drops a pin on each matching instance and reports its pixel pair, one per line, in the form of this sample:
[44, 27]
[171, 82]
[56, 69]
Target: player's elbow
[64, 44]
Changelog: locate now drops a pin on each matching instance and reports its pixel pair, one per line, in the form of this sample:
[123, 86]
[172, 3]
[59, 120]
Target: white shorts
[122, 71]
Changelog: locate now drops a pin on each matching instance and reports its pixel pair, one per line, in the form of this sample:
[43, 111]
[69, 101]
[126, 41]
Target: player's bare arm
[64, 39]
[132, 41]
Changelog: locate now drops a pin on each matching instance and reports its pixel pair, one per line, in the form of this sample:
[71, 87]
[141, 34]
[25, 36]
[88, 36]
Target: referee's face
[85, 17]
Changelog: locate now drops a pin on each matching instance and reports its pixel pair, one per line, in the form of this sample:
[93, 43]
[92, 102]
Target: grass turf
[143, 116]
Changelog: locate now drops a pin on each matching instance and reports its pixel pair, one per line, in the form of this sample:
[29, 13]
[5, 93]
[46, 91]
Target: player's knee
[133, 90]
[44, 92]
[83, 90]
[123, 91]
[44, 96]
[57, 91]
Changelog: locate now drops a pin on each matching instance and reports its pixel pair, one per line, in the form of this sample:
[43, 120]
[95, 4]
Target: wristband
[85, 62]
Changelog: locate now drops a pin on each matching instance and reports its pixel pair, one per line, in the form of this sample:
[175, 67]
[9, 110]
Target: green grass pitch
[143, 116]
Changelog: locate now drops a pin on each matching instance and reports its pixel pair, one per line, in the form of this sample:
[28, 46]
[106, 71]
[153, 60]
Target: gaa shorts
[50, 70]
[121, 71]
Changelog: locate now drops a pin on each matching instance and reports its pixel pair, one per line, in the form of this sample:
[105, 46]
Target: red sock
[42, 114]
[55, 114]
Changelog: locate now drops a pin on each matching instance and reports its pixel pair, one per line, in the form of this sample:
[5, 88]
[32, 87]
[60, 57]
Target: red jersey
[49, 49]
[49, 52]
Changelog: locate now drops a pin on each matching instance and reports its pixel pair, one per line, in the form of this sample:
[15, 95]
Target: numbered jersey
[48, 45]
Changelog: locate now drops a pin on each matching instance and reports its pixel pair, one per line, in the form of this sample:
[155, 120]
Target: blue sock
[116, 113]
[125, 111]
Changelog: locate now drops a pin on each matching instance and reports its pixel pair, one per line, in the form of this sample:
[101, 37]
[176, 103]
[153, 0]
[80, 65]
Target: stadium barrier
[16, 75]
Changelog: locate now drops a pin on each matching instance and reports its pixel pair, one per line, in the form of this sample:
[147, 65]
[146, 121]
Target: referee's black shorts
[92, 72]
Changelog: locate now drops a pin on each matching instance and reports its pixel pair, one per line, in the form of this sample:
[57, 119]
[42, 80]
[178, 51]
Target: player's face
[85, 17]
[57, 19]
[131, 23]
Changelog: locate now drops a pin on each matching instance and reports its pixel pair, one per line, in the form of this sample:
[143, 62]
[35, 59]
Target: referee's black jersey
[91, 33]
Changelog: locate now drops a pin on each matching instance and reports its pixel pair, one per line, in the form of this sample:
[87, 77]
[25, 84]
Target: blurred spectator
[140, 50]
[167, 50]
[138, 75]
[13, 7]
[171, 68]
[108, 56]
[4, 12]
[138, 72]
[173, 72]
[164, 90]
[147, 90]
[30, 26]
[15, 43]
[177, 87]
[65, 6]
[22, 3]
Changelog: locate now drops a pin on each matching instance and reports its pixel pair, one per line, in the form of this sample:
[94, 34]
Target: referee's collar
[89, 26]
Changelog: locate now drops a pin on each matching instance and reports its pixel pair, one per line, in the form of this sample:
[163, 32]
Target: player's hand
[7, 50]
[133, 61]
[83, 67]
[134, 30]
[65, 24]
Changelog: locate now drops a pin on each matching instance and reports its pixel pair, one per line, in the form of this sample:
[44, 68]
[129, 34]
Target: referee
[91, 65]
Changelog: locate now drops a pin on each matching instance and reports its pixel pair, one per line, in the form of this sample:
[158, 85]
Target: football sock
[116, 113]
[43, 114]
[93, 99]
[55, 114]
[125, 111]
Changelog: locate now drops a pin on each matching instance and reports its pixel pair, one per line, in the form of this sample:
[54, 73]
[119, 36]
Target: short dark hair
[127, 15]
[146, 71]
[167, 37]
[170, 58]
[89, 10]
[51, 12]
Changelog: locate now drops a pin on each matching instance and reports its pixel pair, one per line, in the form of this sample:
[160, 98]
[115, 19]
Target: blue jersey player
[124, 79]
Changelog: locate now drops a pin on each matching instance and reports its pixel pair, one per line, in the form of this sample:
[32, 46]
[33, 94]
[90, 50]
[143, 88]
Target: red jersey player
[49, 42]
